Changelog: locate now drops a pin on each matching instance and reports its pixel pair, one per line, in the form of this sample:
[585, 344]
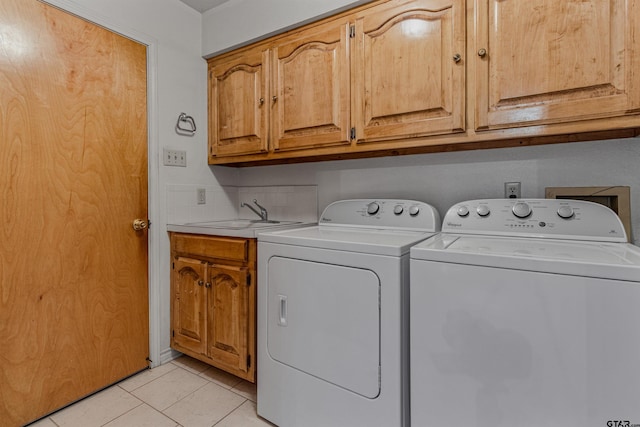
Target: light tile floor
[184, 393]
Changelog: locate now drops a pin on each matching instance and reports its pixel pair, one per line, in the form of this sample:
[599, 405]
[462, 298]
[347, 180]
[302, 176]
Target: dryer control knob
[565, 212]
[521, 210]
[373, 208]
[483, 210]
[463, 211]
[414, 210]
[398, 209]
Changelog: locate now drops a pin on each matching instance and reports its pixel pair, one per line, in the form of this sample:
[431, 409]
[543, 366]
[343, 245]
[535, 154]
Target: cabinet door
[188, 317]
[237, 106]
[228, 323]
[550, 61]
[310, 88]
[408, 68]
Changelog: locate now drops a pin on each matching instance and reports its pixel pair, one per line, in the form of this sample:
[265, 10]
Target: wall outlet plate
[174, 157]
[201, 195]
[512, 190]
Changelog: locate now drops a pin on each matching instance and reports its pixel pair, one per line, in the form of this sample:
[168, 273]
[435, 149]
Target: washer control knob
[483, 210]
[565, 212]
[462, 211]
[398, 209]
[521, 210]
[414, 210]
[373, 208]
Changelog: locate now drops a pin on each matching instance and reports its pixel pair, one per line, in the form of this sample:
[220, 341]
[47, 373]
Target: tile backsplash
[285, 203]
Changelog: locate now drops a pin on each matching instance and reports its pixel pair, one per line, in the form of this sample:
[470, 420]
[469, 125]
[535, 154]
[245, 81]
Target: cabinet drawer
[228, 248]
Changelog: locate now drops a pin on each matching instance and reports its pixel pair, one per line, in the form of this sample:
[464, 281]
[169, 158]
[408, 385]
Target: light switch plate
[174, 157]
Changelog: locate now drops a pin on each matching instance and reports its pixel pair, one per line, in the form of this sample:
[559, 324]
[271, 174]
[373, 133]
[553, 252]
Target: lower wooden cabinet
[213, 301]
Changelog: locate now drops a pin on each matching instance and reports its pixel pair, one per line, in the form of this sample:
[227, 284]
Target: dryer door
[324, 320]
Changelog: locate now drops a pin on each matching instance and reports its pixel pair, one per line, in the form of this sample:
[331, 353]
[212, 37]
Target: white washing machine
[526, 313]
[332, 318]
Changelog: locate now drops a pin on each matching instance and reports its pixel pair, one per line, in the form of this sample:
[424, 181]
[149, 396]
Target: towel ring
[183, 118]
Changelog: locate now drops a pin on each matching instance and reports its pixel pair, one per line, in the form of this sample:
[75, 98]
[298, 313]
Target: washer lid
[619, 261]
[363, 240]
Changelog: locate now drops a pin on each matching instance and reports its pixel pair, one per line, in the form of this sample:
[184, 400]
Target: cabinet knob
[207, 285]
[457, 58]
[482, 53]
[200, 282]
[261, 101]
[274, 98]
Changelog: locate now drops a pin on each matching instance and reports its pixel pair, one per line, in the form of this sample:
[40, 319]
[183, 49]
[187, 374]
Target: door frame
[153, 195]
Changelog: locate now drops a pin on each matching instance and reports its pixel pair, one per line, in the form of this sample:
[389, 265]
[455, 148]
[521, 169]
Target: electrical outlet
[201, 195]
[512, 190]
[174, 157]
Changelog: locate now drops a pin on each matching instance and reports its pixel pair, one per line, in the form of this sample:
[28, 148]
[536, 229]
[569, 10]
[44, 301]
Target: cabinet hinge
[173, 333]
[249, 280]
[173, 265]
[352, 32]
[248, 360]
[353, 133]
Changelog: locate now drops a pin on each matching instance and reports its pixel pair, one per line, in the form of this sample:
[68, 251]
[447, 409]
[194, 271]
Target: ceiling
[203, 5]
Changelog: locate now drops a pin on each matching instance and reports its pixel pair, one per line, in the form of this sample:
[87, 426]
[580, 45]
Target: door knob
[139, 224]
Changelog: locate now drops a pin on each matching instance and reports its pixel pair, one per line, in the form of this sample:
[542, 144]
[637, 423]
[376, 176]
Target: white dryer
[332, 319]
[526, 313]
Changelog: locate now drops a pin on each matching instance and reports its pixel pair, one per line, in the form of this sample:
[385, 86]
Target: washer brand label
[325, 219]
[453, 224]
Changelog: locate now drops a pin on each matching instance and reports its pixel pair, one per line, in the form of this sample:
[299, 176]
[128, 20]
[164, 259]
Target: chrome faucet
[263, 214]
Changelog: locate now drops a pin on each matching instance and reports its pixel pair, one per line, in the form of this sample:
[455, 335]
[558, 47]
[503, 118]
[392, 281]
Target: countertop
[233, 227]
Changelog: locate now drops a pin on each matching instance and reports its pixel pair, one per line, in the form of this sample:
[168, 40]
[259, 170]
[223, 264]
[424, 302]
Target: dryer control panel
[552, 218]
[382, 213]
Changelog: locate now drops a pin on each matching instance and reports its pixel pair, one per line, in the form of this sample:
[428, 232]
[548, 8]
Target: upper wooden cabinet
[238, 109]
[550, 61]
[310, 89]
[414, 76]
[408, 70]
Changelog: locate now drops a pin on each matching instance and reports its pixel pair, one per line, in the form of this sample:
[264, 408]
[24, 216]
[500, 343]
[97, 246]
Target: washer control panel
[554, 218]
[382, 213]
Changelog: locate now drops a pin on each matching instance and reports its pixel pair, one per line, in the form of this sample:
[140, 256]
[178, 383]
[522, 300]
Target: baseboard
[167, 355]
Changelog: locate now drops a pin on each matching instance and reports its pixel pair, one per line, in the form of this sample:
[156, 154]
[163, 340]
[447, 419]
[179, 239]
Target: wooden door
[408, 67]
[73, 176]
[228, 318]
[188, 304]
[310, 89]
[551, 61]
[238, 107]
